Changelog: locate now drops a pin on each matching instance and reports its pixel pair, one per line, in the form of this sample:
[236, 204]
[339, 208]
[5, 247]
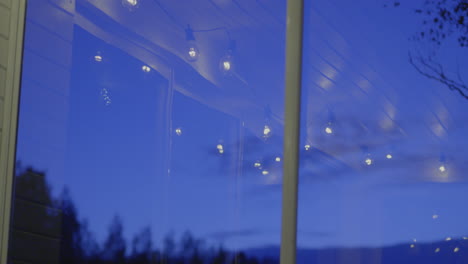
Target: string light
[437, 250]
[220, 148]
[178, 131]
[145, 68]
[389, 156]
[307, 147]
[192, 53]
[368, 161]
[277, 159]
[266, 131]
[130, 4]
[98, 57]
[257, 164]
[265, 172]
[412, 246]
[226, 63]
[448, 239]
[435, 216]
[442, 164]
[329, 127]
[455, 250]
[442, 168]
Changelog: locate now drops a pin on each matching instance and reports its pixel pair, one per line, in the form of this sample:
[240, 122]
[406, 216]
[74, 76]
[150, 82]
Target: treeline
[47, 229]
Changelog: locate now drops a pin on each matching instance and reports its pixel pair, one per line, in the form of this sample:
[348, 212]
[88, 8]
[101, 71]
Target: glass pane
[384, 149]
[150, 132]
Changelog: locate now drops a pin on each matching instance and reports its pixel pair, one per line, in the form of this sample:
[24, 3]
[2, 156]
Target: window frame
[11, 87]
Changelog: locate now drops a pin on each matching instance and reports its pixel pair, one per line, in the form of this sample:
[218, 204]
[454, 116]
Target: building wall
[11, 24]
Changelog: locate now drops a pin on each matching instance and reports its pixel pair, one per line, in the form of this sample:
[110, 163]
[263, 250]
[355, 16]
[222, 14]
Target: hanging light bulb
[442, 168]
[131, 4]
[367, 159]
[442, 164]
[145, 68]
[178, 131]
[329, 127]
[278, 159]
[389, 156]
[98, 57]
[307, 147]
[257, 164]
[226, 63]
[267, 130]
[191, 53]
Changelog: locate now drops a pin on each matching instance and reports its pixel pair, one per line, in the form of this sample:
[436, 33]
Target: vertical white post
[294, 24]
[12, 45]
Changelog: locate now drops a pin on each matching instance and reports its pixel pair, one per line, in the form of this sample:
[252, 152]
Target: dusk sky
[183, 145]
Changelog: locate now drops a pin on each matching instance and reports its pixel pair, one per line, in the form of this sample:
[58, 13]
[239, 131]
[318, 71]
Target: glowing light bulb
[465, 238]
[98, 58]
[368, 161]
[435, 216]
[178, 131]
[442, 168]
[307, 147]
[448, 239]
[145, 68]
[456, 249]
[277, 159]
[220, 148]
[257, 164]
[437, 250]
[192, 52]
[328, 130]
[130, 4]
[414, 240]
[265, 172]
[225, 64]
[412, 246]
[266, 131]
[389, 156]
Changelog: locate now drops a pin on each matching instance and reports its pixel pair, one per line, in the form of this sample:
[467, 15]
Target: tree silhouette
[142, 247]
[115, 246]
[441, 19]
[71, 249]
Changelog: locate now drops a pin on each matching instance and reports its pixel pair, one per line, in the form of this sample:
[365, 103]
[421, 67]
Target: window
[156, 131]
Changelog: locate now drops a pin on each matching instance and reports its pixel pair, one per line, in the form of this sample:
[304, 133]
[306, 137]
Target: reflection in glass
[390, 184]
[134, 148]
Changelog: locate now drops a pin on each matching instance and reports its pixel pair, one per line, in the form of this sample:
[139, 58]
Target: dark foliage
[65, 239]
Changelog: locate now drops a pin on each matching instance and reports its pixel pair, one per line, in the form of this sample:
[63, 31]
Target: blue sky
[144, 144]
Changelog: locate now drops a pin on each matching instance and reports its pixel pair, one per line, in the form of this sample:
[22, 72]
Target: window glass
[383, 147]
[150, 131]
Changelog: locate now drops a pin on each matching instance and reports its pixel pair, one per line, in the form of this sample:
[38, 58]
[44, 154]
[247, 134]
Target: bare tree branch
[434, 71]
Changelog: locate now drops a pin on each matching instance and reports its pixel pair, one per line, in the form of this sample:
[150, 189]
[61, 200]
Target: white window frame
[11, 30]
